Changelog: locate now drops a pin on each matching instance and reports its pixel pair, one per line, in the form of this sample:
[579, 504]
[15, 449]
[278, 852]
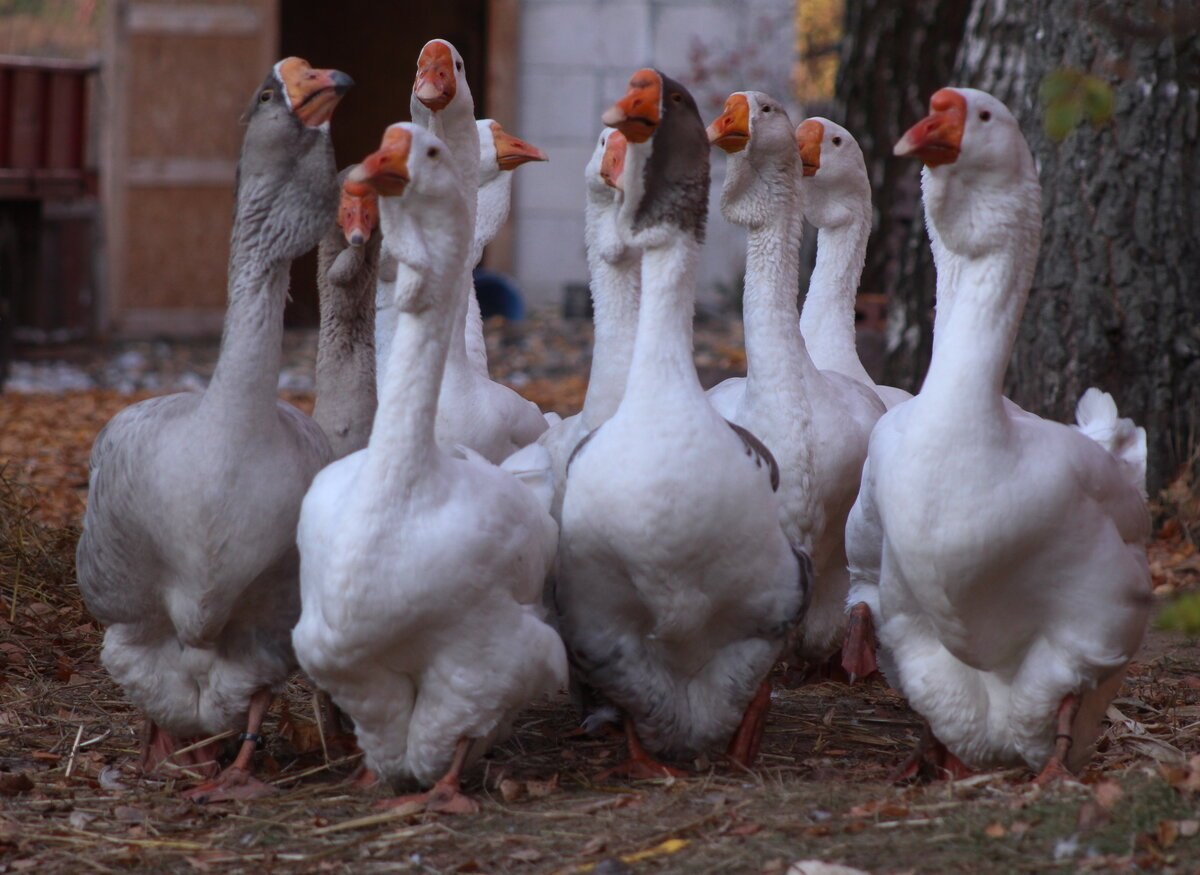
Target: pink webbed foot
[233, 783]
[858, 651]
[640, 765]
[743, 747]
[931, 761]
[161, 752]
[1056, 769]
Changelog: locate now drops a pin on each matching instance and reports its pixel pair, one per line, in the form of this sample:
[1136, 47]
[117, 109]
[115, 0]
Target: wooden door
[178, 76]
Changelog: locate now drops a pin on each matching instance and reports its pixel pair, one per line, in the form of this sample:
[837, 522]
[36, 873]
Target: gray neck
[346, 397]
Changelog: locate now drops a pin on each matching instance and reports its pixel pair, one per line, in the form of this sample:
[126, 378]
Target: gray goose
[188, 553]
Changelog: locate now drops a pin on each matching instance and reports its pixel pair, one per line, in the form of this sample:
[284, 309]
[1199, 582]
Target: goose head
[358, 214]
[287, 159]
[603, 179]
[499, 151]
[665, 177]
[836, 189]
[441, 83]
[979, 183]
[756, 133]
[422, 208]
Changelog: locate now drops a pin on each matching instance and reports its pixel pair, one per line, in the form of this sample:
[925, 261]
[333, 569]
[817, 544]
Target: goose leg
[640, 764]
[858, 651]
[160, 748]
[743, 747]
[1056, 767]
[237, 782]
[931, 761]
[446, 795]
[329, 718]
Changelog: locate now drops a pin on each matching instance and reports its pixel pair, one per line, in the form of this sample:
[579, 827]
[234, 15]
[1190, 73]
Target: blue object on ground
[498, 295]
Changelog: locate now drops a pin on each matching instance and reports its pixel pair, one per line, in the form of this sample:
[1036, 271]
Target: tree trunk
[1116, 298]
[894, 55]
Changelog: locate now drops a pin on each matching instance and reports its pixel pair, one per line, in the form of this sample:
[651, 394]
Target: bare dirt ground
[72, 801]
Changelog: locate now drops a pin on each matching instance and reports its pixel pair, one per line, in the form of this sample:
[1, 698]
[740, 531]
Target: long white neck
[827, 320]
[985, 261]
[495, 197]
[616, 274]
[775, 350]
[402, 447]
[662, 354]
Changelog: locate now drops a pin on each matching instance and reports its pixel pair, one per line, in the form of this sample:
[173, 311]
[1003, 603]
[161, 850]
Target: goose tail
[1096, 415]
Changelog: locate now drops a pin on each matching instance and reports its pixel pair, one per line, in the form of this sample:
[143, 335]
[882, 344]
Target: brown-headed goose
[421, 573]
[188, 552]
[1001, 554]
[676, 584]
[816, 423]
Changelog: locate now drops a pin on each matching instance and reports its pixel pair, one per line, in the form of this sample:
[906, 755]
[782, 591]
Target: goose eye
[766, 109]
[433, 152]
[676, 96]
[458, 65]
[837, 141]
[985, 116]
[266, 95]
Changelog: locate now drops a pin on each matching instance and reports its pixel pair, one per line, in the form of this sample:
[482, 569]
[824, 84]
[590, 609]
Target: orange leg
[640, 764]
[743, 747]
[858, 651]
[337, 741]
[931, 761]
[237, 781]
[446, 795]
[1056, 767]
[160, 748]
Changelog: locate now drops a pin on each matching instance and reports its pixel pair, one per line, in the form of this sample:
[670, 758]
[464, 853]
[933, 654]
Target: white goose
[188, 550]
[1001, 553]
[816, 423]
[615, 269]
[422, 572]
[473, 411]
[676, 585]
[499, 154]
[837, 200]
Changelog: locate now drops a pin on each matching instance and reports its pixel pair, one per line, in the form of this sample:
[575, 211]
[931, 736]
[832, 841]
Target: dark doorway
[377, 43]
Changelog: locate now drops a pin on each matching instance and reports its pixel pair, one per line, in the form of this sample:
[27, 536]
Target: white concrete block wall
[576, 57]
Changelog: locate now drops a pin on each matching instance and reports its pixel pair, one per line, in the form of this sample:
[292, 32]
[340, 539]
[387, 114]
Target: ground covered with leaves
[71, 799]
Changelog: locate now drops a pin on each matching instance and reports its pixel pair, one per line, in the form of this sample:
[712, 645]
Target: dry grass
[71, 800]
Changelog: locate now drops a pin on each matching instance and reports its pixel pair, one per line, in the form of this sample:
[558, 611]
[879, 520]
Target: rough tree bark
[1116, 297]
[893, 56]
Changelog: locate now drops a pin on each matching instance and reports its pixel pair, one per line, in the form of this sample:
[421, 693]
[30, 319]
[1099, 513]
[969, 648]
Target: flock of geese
[435, 553]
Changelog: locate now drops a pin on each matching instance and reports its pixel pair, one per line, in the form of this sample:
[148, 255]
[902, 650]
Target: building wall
[576, 57]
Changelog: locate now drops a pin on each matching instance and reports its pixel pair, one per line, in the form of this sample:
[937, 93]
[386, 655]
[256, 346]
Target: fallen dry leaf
[995, 831]
[14, 784]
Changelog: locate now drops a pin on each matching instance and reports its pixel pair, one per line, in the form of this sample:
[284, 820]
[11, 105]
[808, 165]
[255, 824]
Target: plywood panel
[186, 94]
[178, 247]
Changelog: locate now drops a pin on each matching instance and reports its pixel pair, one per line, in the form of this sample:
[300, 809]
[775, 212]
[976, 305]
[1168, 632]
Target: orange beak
[435, 84]
[384, 171]
[637, 114]
[731, 130]
[512, 152]
[312, 94]
[937, 138]
[808, 140]
[612, 164]
[358, 214]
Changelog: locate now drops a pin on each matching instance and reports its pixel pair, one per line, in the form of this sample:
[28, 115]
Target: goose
[837, 201]
[615, 269]
[816, 423]
[1001, 554]
[188, 552]
[676, 584]
[347, 265]
[473, 411]
[499, 154]
[421, 571]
